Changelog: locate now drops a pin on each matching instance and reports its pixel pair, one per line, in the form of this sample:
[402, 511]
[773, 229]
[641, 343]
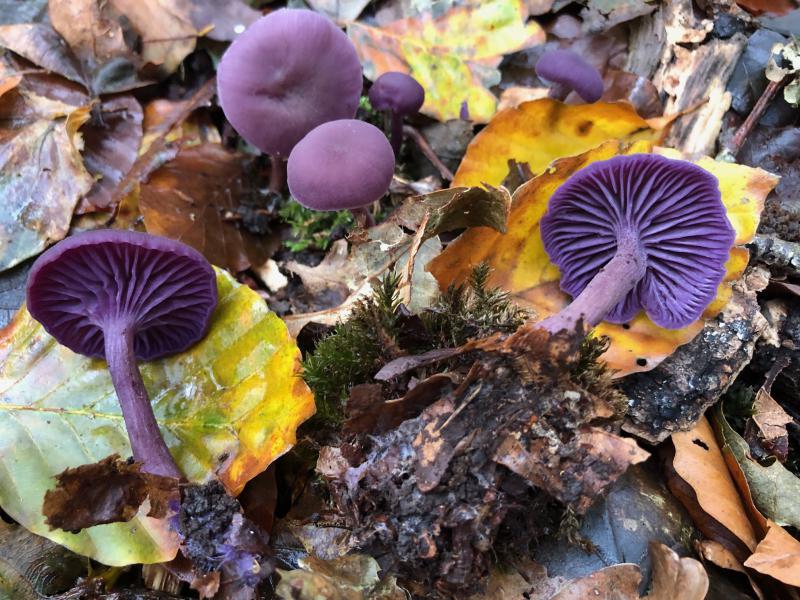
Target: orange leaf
[699, 462]
[540, 131]
[777, 555]
[521, 265]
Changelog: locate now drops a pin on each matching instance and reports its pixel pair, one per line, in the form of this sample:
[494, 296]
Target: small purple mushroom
[637, 232]
[402, 95]
[568, 71]
[346, 164]
[123, 296]
[289, 72]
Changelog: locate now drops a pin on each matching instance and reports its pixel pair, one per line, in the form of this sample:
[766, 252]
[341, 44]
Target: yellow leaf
[227, 408]
[540, 131]
[521, 265]
[453, 56]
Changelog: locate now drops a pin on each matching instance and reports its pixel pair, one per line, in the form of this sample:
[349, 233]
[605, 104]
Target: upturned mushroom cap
[341, 165]
[289, 72]
[163, 288]
[570, 69]
[674, 208]
[398, 92]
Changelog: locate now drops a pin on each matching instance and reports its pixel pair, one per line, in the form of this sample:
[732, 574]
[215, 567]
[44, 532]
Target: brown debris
[109, 491]
[431, 495]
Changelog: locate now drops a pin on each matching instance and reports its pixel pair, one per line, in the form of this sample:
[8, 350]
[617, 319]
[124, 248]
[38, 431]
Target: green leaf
[227, 407]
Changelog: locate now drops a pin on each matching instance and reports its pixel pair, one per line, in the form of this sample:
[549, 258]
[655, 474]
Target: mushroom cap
[163, 288]
[340, 165]
[676, 210]
[398, 92]
[289, 72]
[570, 69]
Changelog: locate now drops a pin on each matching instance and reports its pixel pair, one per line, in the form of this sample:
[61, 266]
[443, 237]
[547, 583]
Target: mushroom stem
[277, 174]
[397, 132]
[606, 289]
[147, 444]
[363, 217]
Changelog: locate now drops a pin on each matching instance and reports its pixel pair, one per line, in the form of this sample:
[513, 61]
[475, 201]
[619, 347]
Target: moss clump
[314, 229]
[377, 332]
[471, 310]
[354, 351]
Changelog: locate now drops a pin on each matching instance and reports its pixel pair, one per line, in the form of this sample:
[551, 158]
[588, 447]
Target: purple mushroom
[123, 296]
[566, 71]
[637, 232]
[289, 72]
[346, 164]
[402, 95]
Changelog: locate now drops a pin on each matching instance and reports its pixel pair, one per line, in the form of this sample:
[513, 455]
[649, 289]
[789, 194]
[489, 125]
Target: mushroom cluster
[290, 85]
[125, 296]
[637, 232]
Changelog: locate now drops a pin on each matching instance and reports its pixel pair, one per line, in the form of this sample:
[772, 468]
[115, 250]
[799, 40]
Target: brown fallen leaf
[189, 198]
[771, 420]
[110, 491]
[676, 577]
[617, 582]
[719, 555]
[43, 46]
[43, 175]
[111, 145]
[165, 29]
[716, 506]
[777, 555]
[632, 88]
[93, 32]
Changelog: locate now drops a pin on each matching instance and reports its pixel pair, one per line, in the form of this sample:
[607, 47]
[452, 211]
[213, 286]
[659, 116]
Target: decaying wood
[693, 69]
[778, 254]
[673, 396]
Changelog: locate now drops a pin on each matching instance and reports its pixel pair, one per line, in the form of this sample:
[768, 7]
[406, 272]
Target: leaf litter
[455, 446]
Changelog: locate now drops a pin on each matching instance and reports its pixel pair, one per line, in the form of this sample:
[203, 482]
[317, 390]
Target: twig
[735, 145]
[426, 149]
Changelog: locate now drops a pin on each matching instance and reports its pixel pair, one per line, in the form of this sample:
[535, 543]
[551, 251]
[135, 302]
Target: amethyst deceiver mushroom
[637, 232]
[123, 296]
[346, 164]
[400, 94]
[289, 72]
[568, 71]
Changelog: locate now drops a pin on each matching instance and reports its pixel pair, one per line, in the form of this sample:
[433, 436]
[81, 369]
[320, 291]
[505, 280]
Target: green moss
[354, 351]
[313, 229]
[471, 310]
[360, 346]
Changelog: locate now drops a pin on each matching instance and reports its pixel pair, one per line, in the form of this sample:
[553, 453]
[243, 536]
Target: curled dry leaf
[189, 198]
[771, 421]
[521, 266]
[540, 131]
[676, 577]
[774, 488]
[617, 582]
[228, 406]
[454, 56]
[387, 246]
[709, 493]
[40, 44]
[108, 491]
[777, 555]
[351, 577]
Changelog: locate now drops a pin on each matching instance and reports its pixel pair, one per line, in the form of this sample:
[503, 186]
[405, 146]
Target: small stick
[277, 174]
[426, 149]
[755, 115]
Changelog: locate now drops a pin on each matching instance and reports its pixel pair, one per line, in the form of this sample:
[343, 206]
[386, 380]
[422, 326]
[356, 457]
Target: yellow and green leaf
[227, 408]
